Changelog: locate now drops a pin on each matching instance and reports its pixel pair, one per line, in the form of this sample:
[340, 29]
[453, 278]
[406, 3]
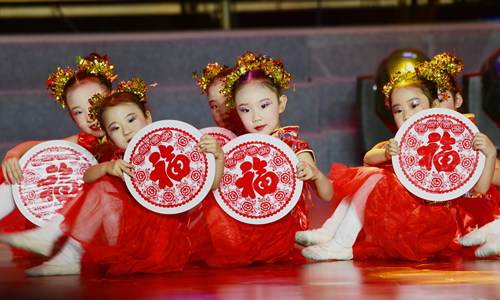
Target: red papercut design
[259, 180]
[174, 171]
[265, 183]
[52, 176]
[168, 166]
[445, 162]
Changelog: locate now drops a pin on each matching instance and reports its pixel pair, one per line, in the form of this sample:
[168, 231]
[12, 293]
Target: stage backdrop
[324, 62]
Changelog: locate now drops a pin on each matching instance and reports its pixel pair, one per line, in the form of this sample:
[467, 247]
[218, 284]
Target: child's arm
[208, 144]
[496, 176]
[378, 155]
[307, 171]
[11, 169]
[482, 143]
[115, 168]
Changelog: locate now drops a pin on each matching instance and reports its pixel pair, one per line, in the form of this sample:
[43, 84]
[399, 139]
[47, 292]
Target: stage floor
[451, 277]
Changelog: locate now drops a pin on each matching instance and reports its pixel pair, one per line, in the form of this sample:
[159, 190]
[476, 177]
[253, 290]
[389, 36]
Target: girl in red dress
[72, 89]
[397, 224]
[217, 238]
[117, 232]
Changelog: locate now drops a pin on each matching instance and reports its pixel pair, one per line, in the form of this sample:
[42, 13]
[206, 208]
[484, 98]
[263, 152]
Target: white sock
[332, 224]
[492, 227]
[71, 253]
[347, 221]
[7, 204]
[50, 231]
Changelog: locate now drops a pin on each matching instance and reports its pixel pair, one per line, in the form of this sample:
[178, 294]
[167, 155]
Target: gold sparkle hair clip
[137, 87]
[249, 62]
[208, 75]
[95, 106]
[56, 83]
[401, 78]
[441, 70]
[96, 65]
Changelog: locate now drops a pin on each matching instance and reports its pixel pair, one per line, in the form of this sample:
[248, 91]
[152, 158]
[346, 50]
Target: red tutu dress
[100, 148]
[223, 242]
[121, 235]
[398, 224]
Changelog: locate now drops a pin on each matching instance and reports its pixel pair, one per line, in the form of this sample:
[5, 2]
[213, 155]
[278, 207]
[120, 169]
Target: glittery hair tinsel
[94, 65]
[250, 62]
[441, 71]
[137, 87]
[208, 75]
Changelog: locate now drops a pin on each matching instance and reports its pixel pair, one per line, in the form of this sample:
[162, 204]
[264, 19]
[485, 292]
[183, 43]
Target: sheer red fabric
[223, 242]
[400, 225]
[121, 235]
[100, 148]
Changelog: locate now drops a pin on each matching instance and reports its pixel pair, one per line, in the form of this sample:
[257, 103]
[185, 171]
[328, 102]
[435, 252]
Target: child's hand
[482, 143]
[11, 169]
[307, 172]
[392, 149]
[208, 144]
[117, 167]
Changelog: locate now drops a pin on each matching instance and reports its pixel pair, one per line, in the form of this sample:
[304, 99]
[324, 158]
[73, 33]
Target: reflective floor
[451, 277]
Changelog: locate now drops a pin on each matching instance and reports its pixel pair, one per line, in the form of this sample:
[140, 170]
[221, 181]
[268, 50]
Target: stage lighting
[490, 76]
[396, 61]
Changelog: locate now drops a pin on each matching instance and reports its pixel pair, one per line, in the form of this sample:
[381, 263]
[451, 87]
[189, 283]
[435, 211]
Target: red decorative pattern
[53, 175]
[440, 160]
[169, 170]
[257, 182]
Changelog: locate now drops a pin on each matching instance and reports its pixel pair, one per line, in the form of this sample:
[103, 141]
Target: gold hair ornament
[208, 75]
[137, 87]
[249, 62]
[95, 66]
[441, 70]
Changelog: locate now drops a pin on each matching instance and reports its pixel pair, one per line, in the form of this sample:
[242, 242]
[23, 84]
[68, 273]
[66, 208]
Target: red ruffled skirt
[398, 225]
[223, 242]
[121, 235]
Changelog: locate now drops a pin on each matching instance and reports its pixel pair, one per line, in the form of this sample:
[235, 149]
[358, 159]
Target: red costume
[398, 224]
[121, 235]
[224, 242]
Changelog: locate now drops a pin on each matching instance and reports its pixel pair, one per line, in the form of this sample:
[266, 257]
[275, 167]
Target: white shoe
[27, 241]
[326, 252]
[474, 238]
[311, 237]
[46, 269]
[490, 248]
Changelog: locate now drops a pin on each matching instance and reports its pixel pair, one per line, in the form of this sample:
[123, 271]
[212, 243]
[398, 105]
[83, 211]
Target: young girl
[397, 224]
[116, 231]
[210, 83]
[72, 89]
[254, 88]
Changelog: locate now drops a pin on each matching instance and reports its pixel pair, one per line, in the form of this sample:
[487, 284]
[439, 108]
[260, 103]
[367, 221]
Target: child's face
[77, 101]
[450, 103]
[122, 122]
[407, 101]
[259, 108]
[224, 116]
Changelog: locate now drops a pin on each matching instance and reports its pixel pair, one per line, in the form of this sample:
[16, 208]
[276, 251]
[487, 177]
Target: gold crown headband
[95, 66]
[249, 62]
[441, 70]
[137, 87]
[208, 75]
[401, 78]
